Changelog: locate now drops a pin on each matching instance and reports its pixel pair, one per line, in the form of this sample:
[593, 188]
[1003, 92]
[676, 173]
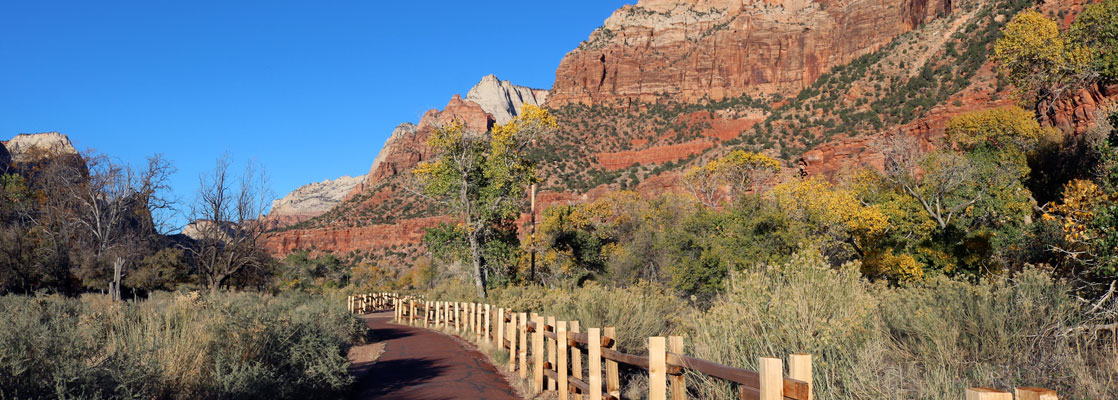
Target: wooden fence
[538, 349]
[366, 303]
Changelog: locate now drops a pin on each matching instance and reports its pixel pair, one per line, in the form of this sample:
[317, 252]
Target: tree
[1036, 58]
[732, 175]
[225, 223]
[975, 196]
[483, 177]
[116, 212]
[1097, 29]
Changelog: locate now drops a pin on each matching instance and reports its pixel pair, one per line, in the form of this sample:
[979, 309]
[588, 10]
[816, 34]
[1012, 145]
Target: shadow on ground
[384, 377]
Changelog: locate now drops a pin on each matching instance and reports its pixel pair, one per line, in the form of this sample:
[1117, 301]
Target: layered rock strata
[718, 49]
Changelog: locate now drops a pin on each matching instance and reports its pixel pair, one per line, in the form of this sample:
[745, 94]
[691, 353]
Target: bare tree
[935, 179]
[115, 210]
[226, 223]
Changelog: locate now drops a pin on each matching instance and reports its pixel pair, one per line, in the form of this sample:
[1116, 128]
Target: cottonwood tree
[483, 177]
[730, 176]
[1039, 60]
[226, 225]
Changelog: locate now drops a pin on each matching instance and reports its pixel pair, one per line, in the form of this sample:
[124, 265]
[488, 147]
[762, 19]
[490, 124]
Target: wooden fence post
[613, 378]
[799, 368]
[512, 341]
[457, 317]
[576, 359]
[499, 319]
[679, 383]
[551, 349]
[772, 378]
[411, 316]
[537, 355]
[1033, 393]
[657, 369]
[561, 358]
[523, 348]
[594, 361]
[476, 318]
[488, 324]
[426, 313]
[987, 394]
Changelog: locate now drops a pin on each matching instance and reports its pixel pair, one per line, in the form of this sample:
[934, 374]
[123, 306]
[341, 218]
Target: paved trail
[419, 364]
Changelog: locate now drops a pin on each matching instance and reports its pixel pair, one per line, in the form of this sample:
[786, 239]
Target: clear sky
[309, 89]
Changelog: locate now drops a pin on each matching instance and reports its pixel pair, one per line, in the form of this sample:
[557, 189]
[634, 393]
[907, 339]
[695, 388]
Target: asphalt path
[420, 364]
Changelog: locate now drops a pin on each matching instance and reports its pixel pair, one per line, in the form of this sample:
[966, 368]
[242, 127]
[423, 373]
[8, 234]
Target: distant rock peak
[503, 99]
[30, 147]
[311, 200]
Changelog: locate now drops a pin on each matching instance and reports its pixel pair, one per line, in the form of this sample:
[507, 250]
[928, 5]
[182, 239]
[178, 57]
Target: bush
[933, 341]
[638, 311]
[175, 346]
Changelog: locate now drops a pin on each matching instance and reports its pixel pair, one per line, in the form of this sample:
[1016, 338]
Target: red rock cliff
[726, 48]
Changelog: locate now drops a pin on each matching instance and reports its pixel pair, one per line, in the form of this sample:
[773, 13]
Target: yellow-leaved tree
[483, 177]
[729, 176]
[1038, 59]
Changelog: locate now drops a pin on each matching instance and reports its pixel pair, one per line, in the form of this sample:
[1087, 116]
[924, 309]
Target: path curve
[420, 364]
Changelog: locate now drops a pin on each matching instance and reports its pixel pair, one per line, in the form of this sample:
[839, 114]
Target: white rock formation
[27, 147]
[311, 200]
[503, 99]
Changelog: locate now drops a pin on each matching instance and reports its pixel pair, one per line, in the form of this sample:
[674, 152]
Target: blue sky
[309, 89]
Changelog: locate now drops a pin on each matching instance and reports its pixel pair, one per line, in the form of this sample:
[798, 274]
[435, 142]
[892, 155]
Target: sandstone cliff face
[1076, 111]
[357, 222]
[31, 147]
[345, 240]
[725, 48]
[407, 145]
[502, 99]
[309, 201]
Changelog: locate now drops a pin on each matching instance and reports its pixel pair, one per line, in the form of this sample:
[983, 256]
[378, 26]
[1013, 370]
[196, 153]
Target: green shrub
[175, 346]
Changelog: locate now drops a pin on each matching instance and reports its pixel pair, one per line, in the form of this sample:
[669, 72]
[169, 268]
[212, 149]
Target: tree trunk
[475, 257]
[118, 264]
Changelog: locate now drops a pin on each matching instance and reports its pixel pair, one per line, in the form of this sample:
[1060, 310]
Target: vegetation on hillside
[984, 261]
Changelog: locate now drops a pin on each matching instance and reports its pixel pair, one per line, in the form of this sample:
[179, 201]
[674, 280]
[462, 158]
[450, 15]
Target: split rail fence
[552, 353]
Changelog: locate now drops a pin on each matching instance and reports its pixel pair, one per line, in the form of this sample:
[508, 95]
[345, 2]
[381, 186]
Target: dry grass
[175, 346]
[926, 342]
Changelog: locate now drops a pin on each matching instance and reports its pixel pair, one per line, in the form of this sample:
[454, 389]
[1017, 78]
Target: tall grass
[926, 342]
[175, 346]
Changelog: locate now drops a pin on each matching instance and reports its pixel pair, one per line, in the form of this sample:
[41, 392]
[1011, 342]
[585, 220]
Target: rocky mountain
[311, 200]
[380, 217]
[667, 84]
[718, 49]
[503, 99]
[31, 147]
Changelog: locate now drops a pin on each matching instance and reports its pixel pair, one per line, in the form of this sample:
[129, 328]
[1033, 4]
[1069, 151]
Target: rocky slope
[309, 201]
[380, 216]
[407, 145]
[717, 49]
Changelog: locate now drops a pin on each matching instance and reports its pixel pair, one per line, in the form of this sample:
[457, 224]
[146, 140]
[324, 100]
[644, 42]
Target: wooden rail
[552, 353]
[366, 303]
